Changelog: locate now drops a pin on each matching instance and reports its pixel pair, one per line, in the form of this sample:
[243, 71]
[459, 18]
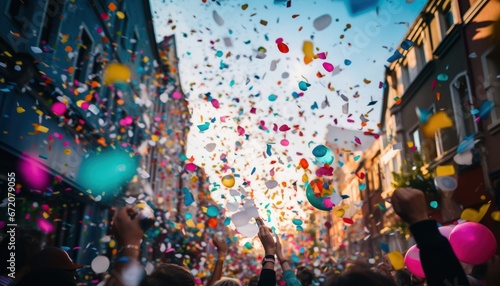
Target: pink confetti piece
[215, 103]
[322, 55]
[284, 128]
[191, 167]
[241, 131]
[328, 67]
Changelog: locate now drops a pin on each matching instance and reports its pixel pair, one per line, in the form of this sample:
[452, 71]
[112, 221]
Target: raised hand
[266, 237]
[410, 204]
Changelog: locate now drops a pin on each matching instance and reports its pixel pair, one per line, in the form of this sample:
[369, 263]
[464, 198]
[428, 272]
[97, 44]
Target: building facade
[57, 111]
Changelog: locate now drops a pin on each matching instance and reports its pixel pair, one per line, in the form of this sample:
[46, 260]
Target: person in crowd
[127, 271]
[440, 265]
[225, 281]
[305, 276]
[169, 274]
[254, 280]
[359, 278]
[51, 266]
[288, 275]
[221, 245]
[267, 274]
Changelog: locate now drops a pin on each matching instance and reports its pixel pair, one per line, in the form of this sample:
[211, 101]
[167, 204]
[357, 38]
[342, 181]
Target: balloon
[33, 172]
[228, 181]
[473, 243]
[316, 194]
[412, 261]
[446, 230]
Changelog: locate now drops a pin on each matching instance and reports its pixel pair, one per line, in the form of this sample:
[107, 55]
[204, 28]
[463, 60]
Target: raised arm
[127, 271]
[288, 274]
[221, 245]
[440, 265]
[267, 275]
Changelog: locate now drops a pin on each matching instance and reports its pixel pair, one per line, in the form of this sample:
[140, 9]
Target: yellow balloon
[116, 72]
[228, 181]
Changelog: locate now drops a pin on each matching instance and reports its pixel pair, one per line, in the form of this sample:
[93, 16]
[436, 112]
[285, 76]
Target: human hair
[172, 274]
[226, 281]
[305, 275]
[254, 281]
[359, 278]
[49, 277]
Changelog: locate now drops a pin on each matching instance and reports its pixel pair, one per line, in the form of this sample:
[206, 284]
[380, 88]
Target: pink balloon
[58, 108]
[33, 173]
[412, 261]
[473, 243]
[446, 230]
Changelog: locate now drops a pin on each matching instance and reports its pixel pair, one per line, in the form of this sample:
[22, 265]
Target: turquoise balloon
[315, 201]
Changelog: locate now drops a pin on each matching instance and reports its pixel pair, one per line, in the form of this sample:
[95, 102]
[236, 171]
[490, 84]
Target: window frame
[489, 86]
[89, 52]
[457, 105]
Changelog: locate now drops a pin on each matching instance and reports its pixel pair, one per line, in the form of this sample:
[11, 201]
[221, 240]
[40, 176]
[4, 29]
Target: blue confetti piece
[406, 44]
[396, 56]
[253, 171]
[442, 77]
[268, 151]
[362, 187]
[303, 85]
[347, 62]
[204, 127]
[314, 106]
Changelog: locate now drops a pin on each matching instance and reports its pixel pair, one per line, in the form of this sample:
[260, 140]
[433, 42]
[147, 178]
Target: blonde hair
[225, 281]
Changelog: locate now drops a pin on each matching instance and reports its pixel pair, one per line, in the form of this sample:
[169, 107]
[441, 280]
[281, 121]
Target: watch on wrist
[268, 258]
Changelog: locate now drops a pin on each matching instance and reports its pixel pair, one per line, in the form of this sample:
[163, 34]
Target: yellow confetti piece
[42, 129]
[120, 15]
[190, 224]
[340, 212]
[112, 243]
[445, 170]
[155, 138]
[39, 112]
[474, 215]
[19, 109]
[67, 152]
[495, 215]
[396, 259]
[438, 120]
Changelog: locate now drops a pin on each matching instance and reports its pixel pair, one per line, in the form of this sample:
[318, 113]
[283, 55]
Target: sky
[257, 109]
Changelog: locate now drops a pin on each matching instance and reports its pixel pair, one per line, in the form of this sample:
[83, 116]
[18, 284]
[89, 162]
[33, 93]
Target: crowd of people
[53, 266]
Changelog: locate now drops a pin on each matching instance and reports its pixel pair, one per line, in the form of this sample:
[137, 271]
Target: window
[462, 102]
[447, 20]
[52, 22]
[82, 61]
[411, 56]
[414, 137]
[435, 31]
[405, 76]
[134, 43]
[491, 63]
[18, 9]
[123, 33]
